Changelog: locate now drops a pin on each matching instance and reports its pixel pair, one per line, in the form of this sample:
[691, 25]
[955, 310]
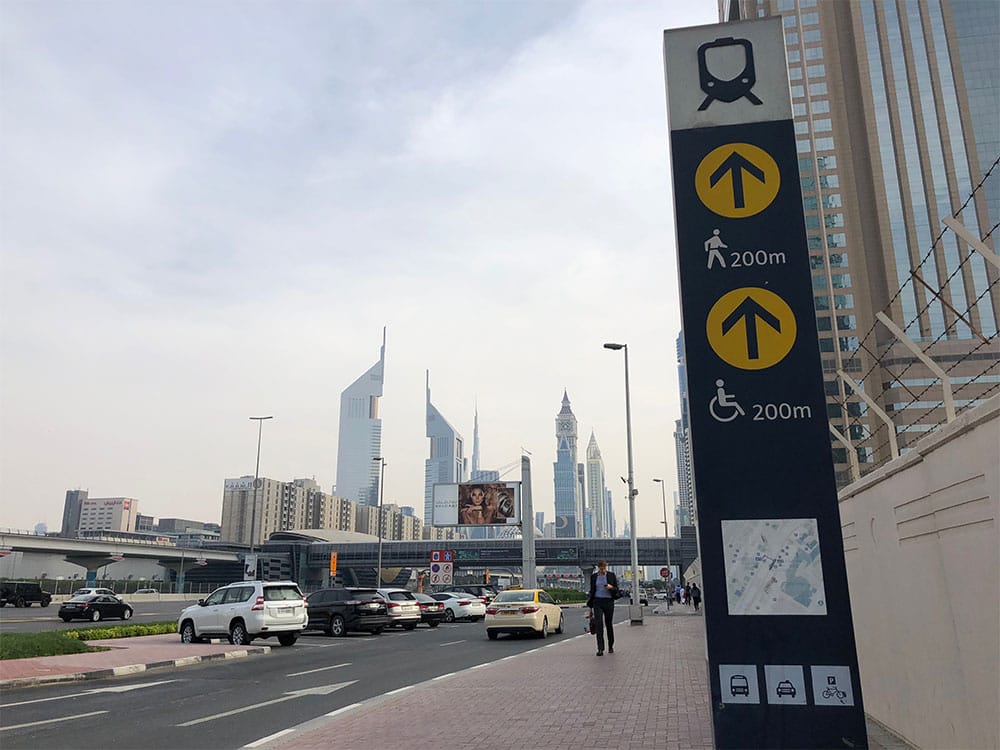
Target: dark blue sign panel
[782, 660]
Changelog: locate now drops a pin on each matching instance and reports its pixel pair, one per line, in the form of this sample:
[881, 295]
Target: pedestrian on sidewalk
[601, 603]
[695, 595]
[687, 594]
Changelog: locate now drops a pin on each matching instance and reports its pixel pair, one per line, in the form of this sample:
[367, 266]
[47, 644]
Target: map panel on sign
[773, 567]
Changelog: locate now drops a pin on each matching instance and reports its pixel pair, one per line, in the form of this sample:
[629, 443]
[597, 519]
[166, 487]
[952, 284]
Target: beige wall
[922, 548]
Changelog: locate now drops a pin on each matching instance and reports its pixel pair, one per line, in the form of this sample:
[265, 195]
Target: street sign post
[777, 609]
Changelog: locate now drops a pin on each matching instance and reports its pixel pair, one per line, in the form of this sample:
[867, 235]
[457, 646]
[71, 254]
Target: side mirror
[201, 602]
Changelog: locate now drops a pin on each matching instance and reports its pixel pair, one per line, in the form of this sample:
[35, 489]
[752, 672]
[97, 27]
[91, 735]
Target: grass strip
[59, 642]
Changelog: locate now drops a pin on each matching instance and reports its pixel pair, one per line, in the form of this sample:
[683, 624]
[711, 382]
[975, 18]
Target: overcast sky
[210, 211]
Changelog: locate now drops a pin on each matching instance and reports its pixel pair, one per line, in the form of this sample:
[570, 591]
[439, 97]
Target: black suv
[339, 611]
[23, 594]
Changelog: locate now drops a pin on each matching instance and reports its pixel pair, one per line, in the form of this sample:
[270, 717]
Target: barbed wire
[870, 430]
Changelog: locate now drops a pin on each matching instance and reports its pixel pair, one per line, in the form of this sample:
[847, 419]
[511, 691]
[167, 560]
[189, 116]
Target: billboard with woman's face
[477, 504]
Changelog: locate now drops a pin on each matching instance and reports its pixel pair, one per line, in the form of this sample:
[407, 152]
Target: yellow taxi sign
[751, 328]
[737, 180]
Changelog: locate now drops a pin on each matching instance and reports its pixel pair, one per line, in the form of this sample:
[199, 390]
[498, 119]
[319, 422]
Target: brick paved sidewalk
[651, 692]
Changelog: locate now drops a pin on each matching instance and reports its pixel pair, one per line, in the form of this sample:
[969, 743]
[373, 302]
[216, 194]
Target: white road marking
[116, 689]
[452, 643]
[51, 721]
[265, 740]
[342, 710]
[400, 690]
[321, 690]
[319, 669]
[443, 676]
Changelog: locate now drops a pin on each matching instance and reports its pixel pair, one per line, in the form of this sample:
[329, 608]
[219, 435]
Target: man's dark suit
[604, 610]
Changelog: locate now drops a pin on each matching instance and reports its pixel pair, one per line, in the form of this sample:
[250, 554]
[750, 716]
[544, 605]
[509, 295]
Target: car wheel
[19, 602]
[287, 639]
[127, 613]
[187, 633]
[544, 632]
[65, 619]
[492, 634]
[559, 628]
[434, 623]
[238, 635]
[46, 602]
[410, 626]
[337, 627]
[449, 616]
[95, 615]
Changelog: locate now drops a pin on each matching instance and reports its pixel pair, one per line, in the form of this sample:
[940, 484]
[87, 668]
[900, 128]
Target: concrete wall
[922, 547]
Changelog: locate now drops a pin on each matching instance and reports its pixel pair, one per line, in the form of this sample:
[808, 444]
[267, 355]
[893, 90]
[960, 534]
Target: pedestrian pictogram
[712, 245]
[724, 407]
[737, 180]
[751, 328]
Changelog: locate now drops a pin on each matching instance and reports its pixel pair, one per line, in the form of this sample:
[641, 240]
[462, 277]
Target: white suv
[246, 610]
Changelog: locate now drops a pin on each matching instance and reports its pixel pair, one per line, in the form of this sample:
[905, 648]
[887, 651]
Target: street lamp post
[632, 492]
[666, 536]
[381, 495]
[256, 477]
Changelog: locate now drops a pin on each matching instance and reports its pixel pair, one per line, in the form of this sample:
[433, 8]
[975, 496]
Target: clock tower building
[568, 498]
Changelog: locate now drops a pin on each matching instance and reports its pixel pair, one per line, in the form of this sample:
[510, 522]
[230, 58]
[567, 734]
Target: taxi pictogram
[751, 328]
[737, 180]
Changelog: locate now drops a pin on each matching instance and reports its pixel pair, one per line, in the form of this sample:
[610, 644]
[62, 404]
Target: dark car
[485, 592]
[431, 610]
[94, 607]
[339, 611]
[23, 594]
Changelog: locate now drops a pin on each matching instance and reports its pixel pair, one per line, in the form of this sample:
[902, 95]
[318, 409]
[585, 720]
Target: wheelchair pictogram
[724, 401]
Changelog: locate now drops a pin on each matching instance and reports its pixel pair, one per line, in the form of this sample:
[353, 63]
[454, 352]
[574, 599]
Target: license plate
[509, 612]
[285, 610]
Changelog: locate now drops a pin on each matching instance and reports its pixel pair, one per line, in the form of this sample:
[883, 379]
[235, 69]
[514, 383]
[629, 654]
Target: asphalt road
[38, 619]
[232, 703]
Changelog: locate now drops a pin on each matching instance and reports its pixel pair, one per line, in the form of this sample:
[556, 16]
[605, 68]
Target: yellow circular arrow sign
[737, 180]
[751, 328]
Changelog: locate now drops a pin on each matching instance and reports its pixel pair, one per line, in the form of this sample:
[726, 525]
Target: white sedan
[523, 611]
[461, 606]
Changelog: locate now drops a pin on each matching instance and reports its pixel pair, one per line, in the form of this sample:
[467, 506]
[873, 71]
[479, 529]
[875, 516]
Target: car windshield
[400, 596]
[82, 598]
[364, 593]
[515, 596]
[280, 593]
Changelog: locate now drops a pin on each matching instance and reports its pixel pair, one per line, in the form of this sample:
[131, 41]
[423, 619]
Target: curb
[128, 669]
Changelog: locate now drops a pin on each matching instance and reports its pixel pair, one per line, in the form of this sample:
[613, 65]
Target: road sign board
[770, 540]
[201, 562]
[664, 572]
[441, 574]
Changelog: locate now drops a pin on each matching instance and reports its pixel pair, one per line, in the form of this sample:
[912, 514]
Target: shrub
[122, 631]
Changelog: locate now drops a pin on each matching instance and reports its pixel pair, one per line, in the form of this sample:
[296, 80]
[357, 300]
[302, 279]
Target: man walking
[601, 603]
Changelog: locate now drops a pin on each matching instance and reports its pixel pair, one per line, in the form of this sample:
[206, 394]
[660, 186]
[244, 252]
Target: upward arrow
[736, 164]
[748, 311]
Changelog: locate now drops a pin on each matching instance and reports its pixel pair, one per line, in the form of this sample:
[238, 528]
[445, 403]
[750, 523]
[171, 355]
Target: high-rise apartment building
[597, 489]
[446, 462]
[71, 512]
[896, 108]
[682, 440]
[360, 436]
[281, 506]
[568, 500]
[108, 514]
